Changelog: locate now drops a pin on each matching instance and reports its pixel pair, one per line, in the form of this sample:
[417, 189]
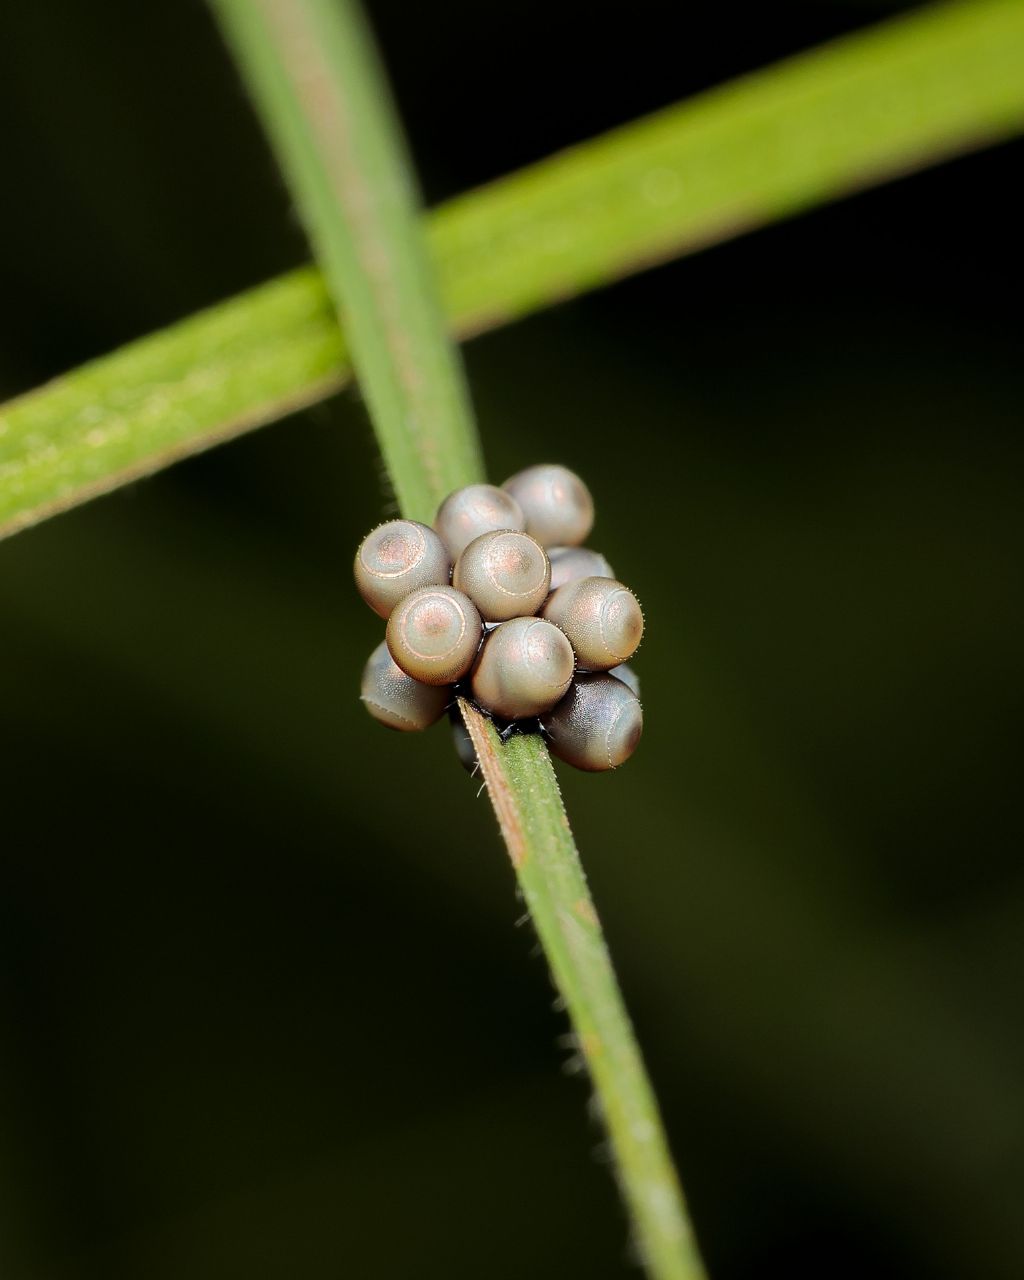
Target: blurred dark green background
[263, 1008]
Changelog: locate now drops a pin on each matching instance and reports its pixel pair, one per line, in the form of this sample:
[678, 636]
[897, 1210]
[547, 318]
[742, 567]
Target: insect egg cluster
[501, 603]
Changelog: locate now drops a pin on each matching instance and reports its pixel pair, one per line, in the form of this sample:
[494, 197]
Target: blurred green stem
[926, 85]
[314, 78]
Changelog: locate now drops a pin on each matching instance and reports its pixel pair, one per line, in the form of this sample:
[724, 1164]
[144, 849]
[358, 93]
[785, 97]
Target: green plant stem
[313, 73]
[316, 84]
[872, 106]
[528, 805]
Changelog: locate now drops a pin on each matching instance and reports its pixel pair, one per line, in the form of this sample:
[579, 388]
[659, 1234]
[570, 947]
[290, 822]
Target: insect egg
[628, 677]
[396, 558]
[597, 725]
[525, 667]
[506, 575]
[434, 635]
[601, 617]
[463, 744]
[396, 699]
[569, 564]
[557, 504]
[478, 508]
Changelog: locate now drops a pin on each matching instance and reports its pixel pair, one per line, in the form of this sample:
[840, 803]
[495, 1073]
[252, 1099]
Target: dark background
[263, 1008]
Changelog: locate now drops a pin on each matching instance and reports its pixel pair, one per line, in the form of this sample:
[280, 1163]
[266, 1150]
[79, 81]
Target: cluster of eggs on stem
[501, 603]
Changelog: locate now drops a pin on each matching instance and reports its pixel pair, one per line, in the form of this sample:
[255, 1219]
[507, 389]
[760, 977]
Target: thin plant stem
[318, 88]
[313, 73]
[526, 799]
